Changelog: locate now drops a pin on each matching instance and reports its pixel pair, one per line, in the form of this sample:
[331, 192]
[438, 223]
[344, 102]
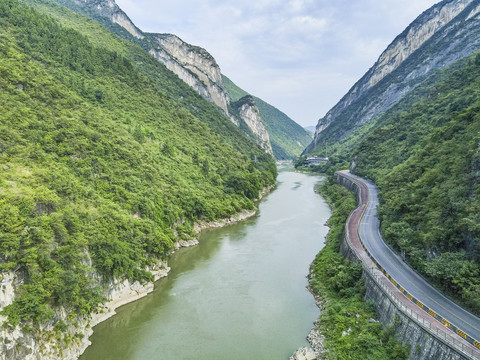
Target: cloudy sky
[301, 56]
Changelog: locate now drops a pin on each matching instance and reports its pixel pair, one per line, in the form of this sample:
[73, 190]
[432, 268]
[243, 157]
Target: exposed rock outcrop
[440, 36]
[68, 343]
[249, 113]
[110, 10]
[194, 65]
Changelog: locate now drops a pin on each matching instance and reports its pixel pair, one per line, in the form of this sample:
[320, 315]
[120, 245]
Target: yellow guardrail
[449, 340]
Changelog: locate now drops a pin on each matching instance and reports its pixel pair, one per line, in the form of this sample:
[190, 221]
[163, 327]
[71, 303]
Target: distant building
[315, 161]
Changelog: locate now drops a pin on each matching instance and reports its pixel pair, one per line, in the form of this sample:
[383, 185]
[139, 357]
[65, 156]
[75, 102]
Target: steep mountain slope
[247, 110]
[439, 37]
[425, 158]
[287, 137]
[192, 64]
[197, 68]
[103, 170]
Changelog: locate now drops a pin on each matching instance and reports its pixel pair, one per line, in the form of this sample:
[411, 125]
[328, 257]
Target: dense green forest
[424, 154]
[104, 36]
[339, 284]
[102, 164]
[288, 139]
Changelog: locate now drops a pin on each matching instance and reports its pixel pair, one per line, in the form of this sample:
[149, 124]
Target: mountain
[412, 125]
[288, 139]
[247, 110]
[196, 67]
[440, 36]
[425, 158]
[107, 160]
[311, 129]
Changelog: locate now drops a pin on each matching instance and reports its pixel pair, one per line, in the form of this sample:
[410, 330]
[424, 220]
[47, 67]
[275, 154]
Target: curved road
[369, 231]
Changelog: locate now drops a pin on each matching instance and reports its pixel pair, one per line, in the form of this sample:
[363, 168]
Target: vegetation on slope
[346, 321]
[447, 46]
[424, 155]
[104, 34]
[288, 139]
[425, 158]
[100, 167]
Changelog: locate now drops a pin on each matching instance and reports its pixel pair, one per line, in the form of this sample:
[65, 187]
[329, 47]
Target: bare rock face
[439, 37]
[44, 342]
[194, 65]
[250, 114]
[110, 10]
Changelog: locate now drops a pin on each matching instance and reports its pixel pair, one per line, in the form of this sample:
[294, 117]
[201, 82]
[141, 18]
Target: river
[239, 294]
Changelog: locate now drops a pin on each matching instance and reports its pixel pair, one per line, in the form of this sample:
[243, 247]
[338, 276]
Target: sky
[300, 56]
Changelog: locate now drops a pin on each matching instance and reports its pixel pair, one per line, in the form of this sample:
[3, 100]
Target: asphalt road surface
[369, 231]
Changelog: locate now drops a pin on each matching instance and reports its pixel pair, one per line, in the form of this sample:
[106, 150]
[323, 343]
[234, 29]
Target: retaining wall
[428, 338]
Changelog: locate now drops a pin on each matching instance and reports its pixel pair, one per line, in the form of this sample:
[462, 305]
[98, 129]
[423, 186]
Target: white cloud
[300, 55]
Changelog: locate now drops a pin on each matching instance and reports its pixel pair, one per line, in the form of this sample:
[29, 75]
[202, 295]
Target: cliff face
[439, 37]
[249, 113]
[194, 65]
[110, 10]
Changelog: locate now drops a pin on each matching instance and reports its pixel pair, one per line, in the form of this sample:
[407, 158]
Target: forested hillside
[287, 137]
[104, 155]
[163, 79]
[425, 158]
[424, 154]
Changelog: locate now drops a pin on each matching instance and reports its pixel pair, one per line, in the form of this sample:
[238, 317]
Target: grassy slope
[287, 137]
[99, 166]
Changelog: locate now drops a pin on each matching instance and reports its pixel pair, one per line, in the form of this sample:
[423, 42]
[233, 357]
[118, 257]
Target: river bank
[73, 340]
[347, 323]
[122, 293]
[241, 292]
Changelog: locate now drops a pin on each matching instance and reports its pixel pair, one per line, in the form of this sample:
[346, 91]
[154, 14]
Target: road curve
[369, 232]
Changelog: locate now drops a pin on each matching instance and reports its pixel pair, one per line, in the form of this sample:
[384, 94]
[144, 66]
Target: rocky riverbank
[50, 344]
[315, 339]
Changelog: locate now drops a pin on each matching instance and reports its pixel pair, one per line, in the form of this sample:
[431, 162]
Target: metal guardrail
[444, 336]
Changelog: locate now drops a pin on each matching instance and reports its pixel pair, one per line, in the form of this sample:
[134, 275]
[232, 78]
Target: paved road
[369, 231]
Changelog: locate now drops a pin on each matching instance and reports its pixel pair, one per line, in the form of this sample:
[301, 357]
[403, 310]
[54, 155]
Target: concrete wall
[409, 328]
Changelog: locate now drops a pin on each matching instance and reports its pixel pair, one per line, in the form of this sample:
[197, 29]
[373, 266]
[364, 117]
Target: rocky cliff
[439, 37]
[193, 65]
[110, 10]
[250, 114]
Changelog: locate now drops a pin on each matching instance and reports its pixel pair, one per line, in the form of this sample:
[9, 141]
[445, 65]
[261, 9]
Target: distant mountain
[310, 129]
[288, 139]
[440, 36]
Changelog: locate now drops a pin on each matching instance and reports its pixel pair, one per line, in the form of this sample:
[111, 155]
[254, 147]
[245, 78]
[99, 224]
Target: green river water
[240, 294]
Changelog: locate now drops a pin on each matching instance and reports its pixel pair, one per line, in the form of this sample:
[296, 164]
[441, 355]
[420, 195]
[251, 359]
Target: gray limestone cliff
[250, 114]
[110, 10]
[194, 65]
[440, 36]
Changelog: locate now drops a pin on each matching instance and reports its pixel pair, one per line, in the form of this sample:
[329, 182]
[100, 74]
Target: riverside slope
[369, 232]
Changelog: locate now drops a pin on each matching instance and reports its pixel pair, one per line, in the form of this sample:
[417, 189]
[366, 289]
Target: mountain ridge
[198, 68]
[377, 91]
